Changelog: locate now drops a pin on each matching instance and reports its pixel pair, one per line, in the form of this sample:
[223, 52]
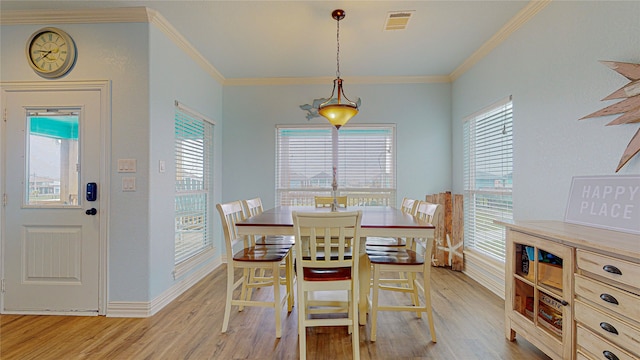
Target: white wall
[421, 112]
[551, 68]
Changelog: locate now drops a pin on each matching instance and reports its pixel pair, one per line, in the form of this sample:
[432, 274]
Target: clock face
[51, 52]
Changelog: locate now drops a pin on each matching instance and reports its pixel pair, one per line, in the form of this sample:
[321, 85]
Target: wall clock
[51, 52]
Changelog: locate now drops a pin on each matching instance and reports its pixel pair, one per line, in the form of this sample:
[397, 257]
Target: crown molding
[74, 16]
[524, 15]
[111, 15]
[163, 25]
[327, 80]
[144, 14]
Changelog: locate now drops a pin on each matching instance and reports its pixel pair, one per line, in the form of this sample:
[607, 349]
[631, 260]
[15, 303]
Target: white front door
[52, 150]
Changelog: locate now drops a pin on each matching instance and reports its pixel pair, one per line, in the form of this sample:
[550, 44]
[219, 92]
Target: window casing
[366, 163]
[193, 191]
[488, 178]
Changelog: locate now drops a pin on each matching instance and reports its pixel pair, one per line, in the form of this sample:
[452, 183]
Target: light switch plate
[126, 165]
[128, 184]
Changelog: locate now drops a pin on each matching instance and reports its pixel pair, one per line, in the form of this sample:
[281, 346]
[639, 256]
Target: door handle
[91, 211]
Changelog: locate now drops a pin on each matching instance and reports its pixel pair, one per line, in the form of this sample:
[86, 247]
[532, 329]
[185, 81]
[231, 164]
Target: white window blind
[366, 163]
[194, 157]
[488, 178]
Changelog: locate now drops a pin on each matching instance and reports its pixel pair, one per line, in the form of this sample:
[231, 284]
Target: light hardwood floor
[468, 320]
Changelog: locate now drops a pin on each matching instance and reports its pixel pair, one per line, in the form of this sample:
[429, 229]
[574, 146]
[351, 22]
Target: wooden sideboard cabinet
[573, 291]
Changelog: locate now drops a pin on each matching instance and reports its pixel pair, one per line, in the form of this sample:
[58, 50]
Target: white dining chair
[253, 207]
[408, 262]
[249, 259]
[328, 266]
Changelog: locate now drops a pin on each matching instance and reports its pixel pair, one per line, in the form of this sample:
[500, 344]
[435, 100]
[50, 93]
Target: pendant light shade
[338, 110]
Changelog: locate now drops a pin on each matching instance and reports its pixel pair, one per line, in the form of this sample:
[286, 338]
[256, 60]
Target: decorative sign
[610, 202]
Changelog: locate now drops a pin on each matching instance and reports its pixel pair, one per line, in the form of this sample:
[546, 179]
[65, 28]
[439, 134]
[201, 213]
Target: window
[194, 161]
[366, 164]
[488, 178]
[53, 158]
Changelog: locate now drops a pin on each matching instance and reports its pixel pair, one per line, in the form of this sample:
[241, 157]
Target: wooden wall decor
[449, 236]
[629, 108]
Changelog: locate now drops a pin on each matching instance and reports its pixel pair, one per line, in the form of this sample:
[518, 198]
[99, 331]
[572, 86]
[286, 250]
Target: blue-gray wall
[148, 72]
[175, 76]
[551, 68]
[421, 112]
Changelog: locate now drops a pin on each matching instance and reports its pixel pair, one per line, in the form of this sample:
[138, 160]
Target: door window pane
[52, 161]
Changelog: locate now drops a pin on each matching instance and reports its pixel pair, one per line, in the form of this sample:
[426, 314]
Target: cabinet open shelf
[572, 290]
[537, 305]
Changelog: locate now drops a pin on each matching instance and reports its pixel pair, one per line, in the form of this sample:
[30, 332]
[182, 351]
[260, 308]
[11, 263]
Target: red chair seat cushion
[330, 274]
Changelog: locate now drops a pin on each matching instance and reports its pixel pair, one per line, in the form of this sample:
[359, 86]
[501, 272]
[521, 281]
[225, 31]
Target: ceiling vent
[397, 20]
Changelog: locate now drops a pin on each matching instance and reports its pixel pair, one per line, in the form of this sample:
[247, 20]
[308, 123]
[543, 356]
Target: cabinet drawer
[581, 356]
[628, 304]
[609, 327]
[599, 347]
[615, 269]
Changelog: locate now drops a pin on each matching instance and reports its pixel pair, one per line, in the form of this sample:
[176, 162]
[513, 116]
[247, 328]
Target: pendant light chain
[338, 51]
[334, 109]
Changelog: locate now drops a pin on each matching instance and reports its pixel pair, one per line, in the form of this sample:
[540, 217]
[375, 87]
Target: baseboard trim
[488, 272]
[134, 309]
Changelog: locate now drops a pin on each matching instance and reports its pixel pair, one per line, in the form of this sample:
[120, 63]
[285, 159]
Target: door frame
[104, 88]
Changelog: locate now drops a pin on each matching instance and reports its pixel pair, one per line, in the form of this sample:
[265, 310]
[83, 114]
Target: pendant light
[338, 110]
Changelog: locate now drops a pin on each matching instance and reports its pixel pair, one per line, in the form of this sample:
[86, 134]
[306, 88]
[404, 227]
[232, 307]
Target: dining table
[377, 221]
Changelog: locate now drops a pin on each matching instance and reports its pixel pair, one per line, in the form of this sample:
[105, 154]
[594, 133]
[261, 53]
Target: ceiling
[276, 39]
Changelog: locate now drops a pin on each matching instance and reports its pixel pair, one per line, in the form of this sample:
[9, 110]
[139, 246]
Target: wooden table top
[385, 217]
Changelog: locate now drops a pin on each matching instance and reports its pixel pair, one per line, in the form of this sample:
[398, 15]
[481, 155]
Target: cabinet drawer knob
[612, 269]
[609, 298]
[608, 327]
[609, 355]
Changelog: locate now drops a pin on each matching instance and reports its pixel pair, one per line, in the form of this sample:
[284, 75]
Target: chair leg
[227, 305]
[302, 329]
[350, 307]
[427, 298]
[245, 293]
[355, 332]
[277, 302]
[374, 302]
[413, 285]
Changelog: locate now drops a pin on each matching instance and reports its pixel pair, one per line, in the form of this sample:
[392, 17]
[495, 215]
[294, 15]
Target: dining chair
[249, 259]
[329, 266]
[326, 201]
[408, 206]
[253, 207]
[409, 261]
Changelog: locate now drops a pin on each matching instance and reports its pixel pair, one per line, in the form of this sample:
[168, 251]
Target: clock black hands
[47, 53]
